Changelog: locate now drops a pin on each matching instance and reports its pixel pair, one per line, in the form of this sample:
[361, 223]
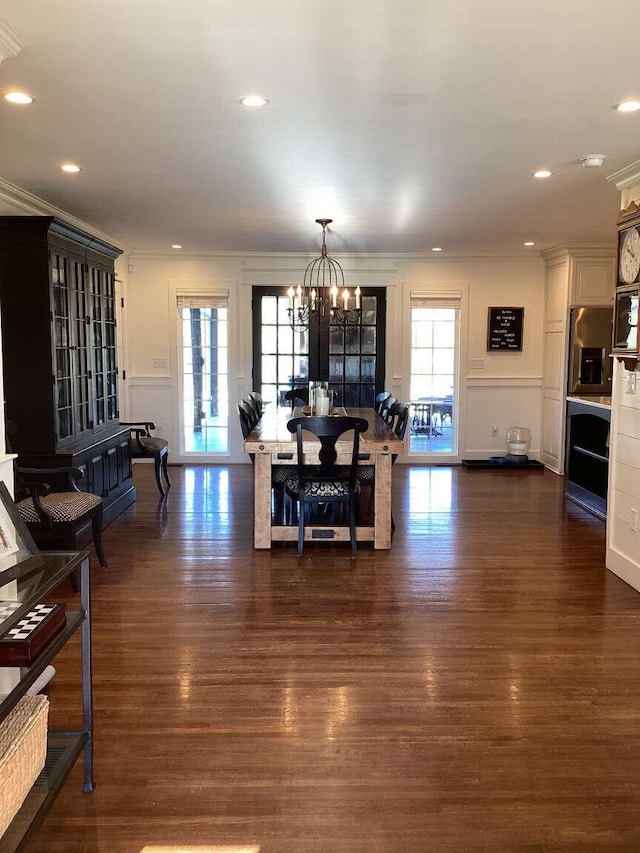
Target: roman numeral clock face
[630, 256]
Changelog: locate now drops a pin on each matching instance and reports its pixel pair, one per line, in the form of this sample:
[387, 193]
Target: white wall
[504, 392]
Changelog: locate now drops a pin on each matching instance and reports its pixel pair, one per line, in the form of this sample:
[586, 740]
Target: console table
[31, 582]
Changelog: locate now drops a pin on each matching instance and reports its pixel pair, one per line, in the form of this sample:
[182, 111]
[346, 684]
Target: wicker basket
[23, 749]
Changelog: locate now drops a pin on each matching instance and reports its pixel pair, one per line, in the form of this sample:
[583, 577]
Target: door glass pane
[269, 339]
[368, 339]
[369, 310]
[352, 340]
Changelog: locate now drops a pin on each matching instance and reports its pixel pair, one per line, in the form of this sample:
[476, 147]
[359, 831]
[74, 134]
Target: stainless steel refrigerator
[589, 350]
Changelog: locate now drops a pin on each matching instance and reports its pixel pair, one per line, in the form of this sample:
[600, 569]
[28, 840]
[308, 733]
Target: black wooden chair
[327, 483]
[279, 473]
[297, 395]
[398, 418]
[380, 399]
[256, 400]
[385, 409]
[55, 510]
[143, 445]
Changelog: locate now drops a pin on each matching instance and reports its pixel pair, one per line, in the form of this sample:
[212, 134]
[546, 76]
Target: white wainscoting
[517, 400]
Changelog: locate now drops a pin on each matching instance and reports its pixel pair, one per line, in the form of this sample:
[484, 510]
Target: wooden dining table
[273, 444]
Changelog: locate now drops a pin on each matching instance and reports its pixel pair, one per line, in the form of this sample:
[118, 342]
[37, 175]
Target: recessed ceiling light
[627, 106]
[70, 167]
[18, 98]
[253, 101]
[529, 243]
[436, 249]
[543, 173]
[176, 245]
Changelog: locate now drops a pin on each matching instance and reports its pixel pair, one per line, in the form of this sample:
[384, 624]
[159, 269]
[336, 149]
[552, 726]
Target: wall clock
[629, 260]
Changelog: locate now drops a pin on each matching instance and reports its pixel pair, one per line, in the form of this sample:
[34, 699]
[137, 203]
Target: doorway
[433, 425]
[204, 374]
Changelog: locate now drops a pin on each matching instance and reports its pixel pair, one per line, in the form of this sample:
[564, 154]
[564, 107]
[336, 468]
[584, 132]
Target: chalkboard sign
[505, 329]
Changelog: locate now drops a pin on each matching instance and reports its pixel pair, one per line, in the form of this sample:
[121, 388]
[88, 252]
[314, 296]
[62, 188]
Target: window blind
[212, 300]
[453, 299]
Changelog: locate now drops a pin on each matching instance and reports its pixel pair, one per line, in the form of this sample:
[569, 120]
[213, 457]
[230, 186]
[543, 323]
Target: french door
[350, 358]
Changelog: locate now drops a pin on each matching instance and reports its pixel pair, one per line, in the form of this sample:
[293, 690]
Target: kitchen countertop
[597, 402]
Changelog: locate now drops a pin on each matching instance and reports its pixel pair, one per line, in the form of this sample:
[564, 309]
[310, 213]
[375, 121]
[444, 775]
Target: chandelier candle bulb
[345, 297]
[334, 296]
[358, 293]
[291, 293]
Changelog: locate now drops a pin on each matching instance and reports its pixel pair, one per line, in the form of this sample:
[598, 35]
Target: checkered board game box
[24, 642]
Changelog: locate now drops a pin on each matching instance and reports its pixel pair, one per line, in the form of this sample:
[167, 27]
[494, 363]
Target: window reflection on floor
[430, 490]
[207, 491]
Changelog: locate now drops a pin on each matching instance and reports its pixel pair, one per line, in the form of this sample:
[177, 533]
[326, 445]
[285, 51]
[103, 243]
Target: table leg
[262, 501]
[382, 502]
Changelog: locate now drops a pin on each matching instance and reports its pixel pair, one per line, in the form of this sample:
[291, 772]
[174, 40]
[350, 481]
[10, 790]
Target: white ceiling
[412, 123]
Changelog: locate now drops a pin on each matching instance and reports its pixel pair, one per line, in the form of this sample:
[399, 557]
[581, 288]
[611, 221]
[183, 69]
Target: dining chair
[279, 473]
[385, 409]
[143, 445]
[380, 398]
[257, 401]
[297, 395]
[55, 510]
[399, 414]
[328, 483]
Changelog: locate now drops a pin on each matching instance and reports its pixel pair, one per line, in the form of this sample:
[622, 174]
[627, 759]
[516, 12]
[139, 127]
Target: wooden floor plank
[474, 688]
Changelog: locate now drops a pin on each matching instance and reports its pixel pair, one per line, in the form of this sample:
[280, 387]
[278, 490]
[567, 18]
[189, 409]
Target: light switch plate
[630, 382]
[477, 364]
[159, 363]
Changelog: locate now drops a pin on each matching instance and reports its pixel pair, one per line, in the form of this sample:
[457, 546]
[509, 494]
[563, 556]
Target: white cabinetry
[574, 275]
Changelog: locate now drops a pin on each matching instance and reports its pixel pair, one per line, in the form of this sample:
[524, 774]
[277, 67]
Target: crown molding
[629, 176]
[353, 260]
[26, 203]
[580, 250]
[10, 44]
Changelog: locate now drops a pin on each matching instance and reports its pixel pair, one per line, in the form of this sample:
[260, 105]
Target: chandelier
[322, 300]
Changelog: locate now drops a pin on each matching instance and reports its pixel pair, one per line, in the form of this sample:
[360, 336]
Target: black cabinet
[57, 299]
[587, 456]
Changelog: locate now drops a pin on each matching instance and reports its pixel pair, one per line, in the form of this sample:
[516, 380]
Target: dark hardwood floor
[475, 688]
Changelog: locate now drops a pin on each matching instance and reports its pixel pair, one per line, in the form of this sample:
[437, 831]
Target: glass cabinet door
[111, 366]
[62, 343]
[80, 355]
[97, 344]
[626, 320]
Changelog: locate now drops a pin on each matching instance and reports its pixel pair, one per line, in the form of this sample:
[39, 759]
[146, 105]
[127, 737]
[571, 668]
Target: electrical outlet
[159, 363]
[494, 430]
[633, 519]
[477, 364]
